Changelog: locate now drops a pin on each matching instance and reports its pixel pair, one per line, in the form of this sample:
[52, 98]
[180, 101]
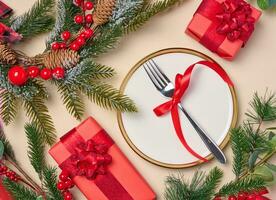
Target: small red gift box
[98, 167]
[223, 26]
[4, 194]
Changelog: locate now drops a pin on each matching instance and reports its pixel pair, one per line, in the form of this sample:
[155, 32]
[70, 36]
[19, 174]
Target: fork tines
[159, 79]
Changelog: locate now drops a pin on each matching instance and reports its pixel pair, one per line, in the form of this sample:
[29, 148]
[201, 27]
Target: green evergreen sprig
[200, 187]
[50, 180]
[38, 19]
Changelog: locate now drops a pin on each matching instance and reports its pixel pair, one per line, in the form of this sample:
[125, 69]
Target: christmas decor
[89, 157]
[266, 4]
[252, 147]
[223, 26]
[23, 187]
[82, 31]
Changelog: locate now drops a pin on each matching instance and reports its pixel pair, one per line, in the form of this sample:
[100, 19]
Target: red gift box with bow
[223, 26]
[97, 166]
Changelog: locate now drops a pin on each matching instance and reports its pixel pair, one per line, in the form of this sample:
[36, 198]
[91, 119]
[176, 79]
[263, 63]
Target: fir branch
[72, 99]
[64, 21]
[247, 184]
[103, 42]
[38, 114]
[200, 187]
[107, 96]
[241, 148]
[147, 12]
[8, 150]
[263, 108]
[18, 191]
[50, 181]
[8, 106]
[88, 70]
[37, 20]
[35, 148]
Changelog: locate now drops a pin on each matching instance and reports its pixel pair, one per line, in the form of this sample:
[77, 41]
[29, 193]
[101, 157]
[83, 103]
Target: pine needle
[108, 97]
[38, 113]
[35, 148]
[72, 99]
[38, 19]
[9, 106]
[248, 184]
[18, 191]
[50, 181]
[200, 187]
[8, 150]
[147, 12]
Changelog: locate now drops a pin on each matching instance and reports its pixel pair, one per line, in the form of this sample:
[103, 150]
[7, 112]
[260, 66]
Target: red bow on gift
[235, 21]
[89, 159]
[181, 85]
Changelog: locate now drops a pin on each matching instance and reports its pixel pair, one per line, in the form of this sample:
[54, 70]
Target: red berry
[55, 46]
[78, 19]
[64, 176]
[67, 196]
[89, 18]
[242, 196]
[232, 197]
[33, 71]
[88, 33]
[58, 73]
[77, 2]
[82, 35]
[88, 5]
[65, 35]
[46, 73]
[8, 174]
[62, 45]
[69, 183]
[61, 185]
[251, 197]
[74, 46]
[3, 169]
[217, 198]
[80, 41]
[17, 75]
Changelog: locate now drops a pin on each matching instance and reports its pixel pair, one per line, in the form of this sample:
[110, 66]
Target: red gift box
[97, 166]
[4, 194]
[223, 26]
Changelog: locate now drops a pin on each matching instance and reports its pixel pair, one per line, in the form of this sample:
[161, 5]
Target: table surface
[253, 70]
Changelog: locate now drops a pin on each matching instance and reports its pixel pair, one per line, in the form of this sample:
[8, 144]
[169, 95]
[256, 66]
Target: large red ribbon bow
[236, 21]
[181, 85]
[89, 159]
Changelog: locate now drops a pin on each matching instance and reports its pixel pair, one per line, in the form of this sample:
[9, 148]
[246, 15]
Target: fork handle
[209, 142]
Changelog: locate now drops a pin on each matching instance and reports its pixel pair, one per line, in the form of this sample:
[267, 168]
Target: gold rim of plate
[119, 114]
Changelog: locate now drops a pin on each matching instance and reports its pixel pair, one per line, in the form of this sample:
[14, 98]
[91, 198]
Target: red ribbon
[231, 19]
[236, 21]
[91, 159]
[8, 35]
[181, 85]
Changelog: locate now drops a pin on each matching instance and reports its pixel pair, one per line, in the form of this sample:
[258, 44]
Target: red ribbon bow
[235, 20]
[89, 159]
[181, 85]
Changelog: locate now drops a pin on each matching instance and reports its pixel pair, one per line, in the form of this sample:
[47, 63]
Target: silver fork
[166, 88]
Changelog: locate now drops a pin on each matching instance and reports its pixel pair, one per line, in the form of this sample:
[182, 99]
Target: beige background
[253, 70]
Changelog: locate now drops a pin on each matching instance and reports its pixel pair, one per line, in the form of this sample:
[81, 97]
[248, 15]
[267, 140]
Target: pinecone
[64, 57]
[7, 55]
[103, 11]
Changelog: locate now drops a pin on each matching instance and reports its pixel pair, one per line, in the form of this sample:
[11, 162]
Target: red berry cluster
[65, 184]
[83, 19]
[5, 171]
[18, 75]
[244, 195]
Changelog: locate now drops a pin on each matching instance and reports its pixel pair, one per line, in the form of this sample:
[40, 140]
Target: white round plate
[209, 100]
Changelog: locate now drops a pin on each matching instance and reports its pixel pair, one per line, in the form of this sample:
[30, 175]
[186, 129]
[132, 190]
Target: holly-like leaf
[1, 149]
[263, 4]
[264, 172]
